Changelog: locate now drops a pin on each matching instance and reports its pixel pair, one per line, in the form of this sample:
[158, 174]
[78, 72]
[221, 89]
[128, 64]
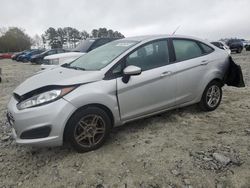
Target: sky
[207, 19]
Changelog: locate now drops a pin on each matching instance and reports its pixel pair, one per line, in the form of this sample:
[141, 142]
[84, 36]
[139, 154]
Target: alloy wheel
[213, 96]
[90, 130]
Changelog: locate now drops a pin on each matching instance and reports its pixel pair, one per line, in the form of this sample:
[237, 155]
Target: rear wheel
[211, 97]
[88, 129]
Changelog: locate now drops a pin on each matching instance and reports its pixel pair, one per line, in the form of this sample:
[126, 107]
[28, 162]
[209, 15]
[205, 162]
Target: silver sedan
[127, 79]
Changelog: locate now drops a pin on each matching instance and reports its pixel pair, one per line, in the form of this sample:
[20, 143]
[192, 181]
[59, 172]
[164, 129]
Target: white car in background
[222, 46]
[52, 61]
[83, 47]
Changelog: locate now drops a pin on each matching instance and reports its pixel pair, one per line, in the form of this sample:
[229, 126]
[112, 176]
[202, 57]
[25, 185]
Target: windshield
[102, 56]
[84, 45]
[45, 52]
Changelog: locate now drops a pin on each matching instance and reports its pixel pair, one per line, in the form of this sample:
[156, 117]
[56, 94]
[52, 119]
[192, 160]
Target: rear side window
[150, 56]
[186, 49]
[207, 49]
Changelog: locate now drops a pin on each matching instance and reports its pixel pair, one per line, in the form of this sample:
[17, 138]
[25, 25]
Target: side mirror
[130, 70]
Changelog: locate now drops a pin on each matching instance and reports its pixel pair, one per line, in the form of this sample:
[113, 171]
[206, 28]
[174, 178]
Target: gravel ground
[180, 148]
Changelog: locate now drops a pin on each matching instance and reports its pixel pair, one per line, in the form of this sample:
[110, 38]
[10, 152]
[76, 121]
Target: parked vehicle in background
[38, 58]
[83, 47]
[124, 80]
[5, 56]
[247, 47]
[235, 45]
[15, 55]
[27, 55]
[222, 46]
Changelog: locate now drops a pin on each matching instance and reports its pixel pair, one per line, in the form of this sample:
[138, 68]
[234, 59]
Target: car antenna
[176, 30]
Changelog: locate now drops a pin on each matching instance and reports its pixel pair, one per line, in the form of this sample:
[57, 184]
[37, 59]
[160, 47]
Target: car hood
[59, 76]
[64, 55]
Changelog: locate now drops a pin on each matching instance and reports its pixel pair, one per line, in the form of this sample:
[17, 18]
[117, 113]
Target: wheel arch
[218, 80]
[215, 76]
[101, 106]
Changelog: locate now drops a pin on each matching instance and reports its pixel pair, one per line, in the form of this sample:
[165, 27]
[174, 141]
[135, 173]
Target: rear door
[192, 58]
[154, 89]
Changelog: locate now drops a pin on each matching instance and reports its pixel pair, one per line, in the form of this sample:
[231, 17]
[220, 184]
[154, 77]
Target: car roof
[155, 37]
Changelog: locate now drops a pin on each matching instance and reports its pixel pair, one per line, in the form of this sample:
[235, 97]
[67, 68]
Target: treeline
[15, 39]
[69, 36]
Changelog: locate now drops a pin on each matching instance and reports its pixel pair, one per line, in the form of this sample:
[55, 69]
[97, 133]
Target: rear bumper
[235, 47]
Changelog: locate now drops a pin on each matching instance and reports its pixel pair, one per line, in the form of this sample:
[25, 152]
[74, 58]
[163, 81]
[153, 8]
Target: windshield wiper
[67, 65]
[76, 68]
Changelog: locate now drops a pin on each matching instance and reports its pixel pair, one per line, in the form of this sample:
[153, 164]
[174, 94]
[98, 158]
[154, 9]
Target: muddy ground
[180, 148]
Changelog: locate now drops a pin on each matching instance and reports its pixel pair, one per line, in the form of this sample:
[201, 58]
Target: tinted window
[51, 52]
[186, 49]
[218, 44]
[60, 50]
[150, 56]
[207, 49]
[99, 42]
[35, 52]
[84, 45]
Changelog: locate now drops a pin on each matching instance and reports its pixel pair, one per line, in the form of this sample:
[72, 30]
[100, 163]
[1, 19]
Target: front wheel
[211, 96]
[88, 129]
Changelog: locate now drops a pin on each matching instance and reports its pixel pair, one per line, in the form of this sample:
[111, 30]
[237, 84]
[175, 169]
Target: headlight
[44, 98]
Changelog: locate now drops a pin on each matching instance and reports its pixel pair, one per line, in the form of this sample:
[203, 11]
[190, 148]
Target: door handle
[204, 62]
[167, 73]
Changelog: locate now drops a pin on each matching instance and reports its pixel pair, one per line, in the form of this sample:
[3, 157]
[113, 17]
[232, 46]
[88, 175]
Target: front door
[154, 89]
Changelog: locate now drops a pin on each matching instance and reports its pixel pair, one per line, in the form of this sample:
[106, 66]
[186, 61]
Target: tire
[25, 60]
[88, 129]
[239, 50]
[40, 61]
[213, 90]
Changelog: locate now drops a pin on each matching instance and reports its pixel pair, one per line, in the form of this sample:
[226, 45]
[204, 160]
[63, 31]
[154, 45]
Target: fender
[94, 93]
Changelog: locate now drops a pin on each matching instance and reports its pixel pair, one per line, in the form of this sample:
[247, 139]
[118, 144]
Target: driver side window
[150, 56]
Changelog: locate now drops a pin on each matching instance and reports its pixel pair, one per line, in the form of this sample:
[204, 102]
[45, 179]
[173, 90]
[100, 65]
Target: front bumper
[53, 115]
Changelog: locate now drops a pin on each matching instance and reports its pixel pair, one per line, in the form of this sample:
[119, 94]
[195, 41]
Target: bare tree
[37, 41]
